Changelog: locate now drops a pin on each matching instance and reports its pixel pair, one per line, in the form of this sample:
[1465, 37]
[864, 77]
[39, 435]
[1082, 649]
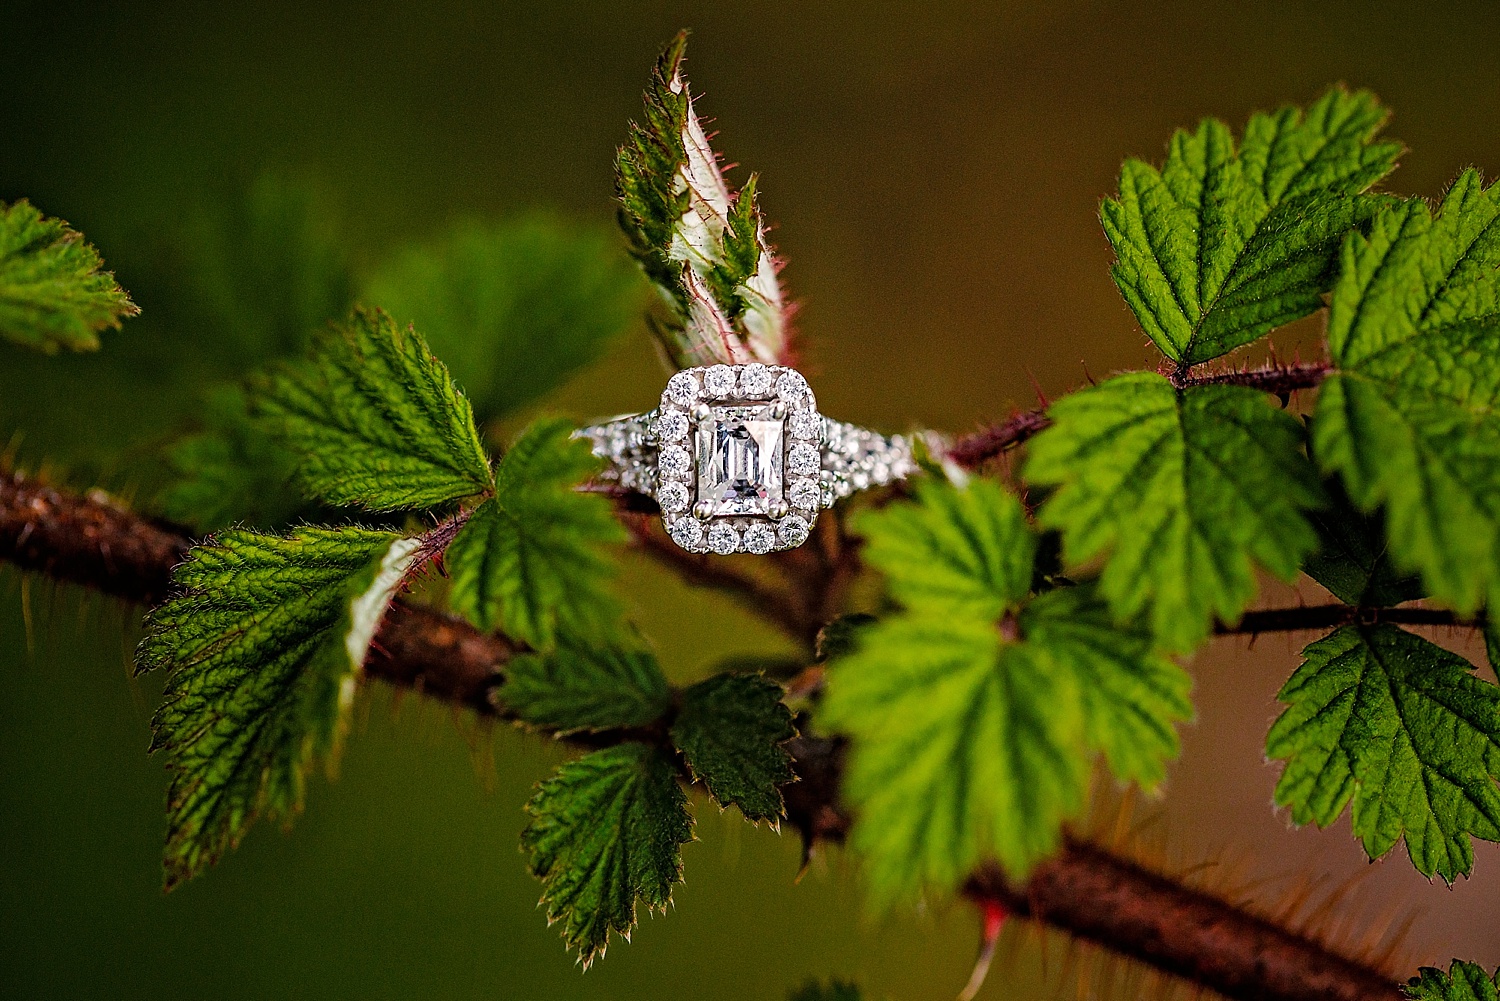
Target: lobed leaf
[730, 729]
[375, 421]
[1353, 558]
[586, 686]
[1409, 421]
[1401, 728]
[606, 834]
[1222, 245]
[1186, 490]
[264, 643]
[53, 291]
[1463, 982]
[529, 560]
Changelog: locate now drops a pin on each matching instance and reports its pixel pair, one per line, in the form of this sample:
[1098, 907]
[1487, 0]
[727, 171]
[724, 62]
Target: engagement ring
[740, 460]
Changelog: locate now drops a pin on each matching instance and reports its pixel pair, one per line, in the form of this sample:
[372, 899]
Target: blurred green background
[935, 172]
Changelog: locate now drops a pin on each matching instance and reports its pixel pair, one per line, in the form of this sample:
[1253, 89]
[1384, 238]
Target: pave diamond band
[740, 460]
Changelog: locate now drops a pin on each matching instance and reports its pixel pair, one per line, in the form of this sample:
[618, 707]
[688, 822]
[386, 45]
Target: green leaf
[833, 990]
[957, 548]
[529, 560]
[1410, 419]
[606, 834]
[1404, 730]
[1132, 697]
[1463, 982]
[1352, 558]
[1188, 490]
[730, 729]
[965, 747]
[1221, 246]
[230, 472]
[513, 308]
[703, 246]
[586, 686]
[376, 421]
[53, 293]
[264, 642]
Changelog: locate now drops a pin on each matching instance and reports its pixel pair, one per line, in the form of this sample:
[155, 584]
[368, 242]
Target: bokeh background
[935, 171]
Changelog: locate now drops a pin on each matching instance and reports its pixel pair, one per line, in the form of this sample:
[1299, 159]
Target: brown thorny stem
[1087, 890]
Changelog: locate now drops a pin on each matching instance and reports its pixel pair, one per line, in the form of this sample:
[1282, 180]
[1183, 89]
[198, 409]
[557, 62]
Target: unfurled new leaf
[263, 643]
[730, 729]
[1353, 560]
[967, 548]
[1187, 490]
[702, 245]
[1410, 419]
[513, 308]
[1405, 731]
[586, 686]
[1222, 245]
[606, 834]
[375, 421]
[53, 291]
[1463, 982]
[530, 559]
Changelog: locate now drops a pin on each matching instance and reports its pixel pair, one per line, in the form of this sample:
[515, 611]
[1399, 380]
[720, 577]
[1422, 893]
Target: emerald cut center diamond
[739, 461]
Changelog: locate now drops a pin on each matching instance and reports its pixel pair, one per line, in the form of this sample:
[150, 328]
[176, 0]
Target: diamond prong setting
[749, 435]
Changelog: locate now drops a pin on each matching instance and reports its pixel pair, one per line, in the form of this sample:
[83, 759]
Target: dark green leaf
[1186, 490]
[833, 990]
[375, 421]
[1221, 246]
[1463, 982]
[606, 834]
[840, 636]
[263, 642]
[957, 548]
[53, 293]
[1410, 420]
[1352, 560]
[1402, 728]
[730, 729]
[586, 686]
[514, 308]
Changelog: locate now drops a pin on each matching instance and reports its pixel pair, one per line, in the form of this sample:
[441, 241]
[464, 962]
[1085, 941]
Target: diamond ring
[739, 459]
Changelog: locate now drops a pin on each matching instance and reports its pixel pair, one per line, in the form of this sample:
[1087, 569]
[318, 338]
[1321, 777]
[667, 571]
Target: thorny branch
[1086, 891]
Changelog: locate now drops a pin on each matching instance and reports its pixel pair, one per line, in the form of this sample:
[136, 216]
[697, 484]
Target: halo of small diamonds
[793, 530]
[756, 381]
[719, 380]
[803, 460]
[760, 538]
[674, 460]
[805, 424]
[723, 538]
[803, 495]
[673, 497]
[688, 533]
[671, 425]
[682, 388]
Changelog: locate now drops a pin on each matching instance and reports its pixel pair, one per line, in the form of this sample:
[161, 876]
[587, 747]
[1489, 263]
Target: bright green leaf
[1352, 558]
[513, 308]
[965, 747]
[1132, 697]
[1463, 982]
[530, 559]
[957, 548]
[53, 293]
[375, 421]
[606, 834]
[730, 729]
[1187, 490]
[1404, 730]
[586, 686]
[1410, 420]
[263, 643]
[1221, 246]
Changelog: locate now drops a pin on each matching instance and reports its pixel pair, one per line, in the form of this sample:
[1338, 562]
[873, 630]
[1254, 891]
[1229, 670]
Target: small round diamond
[791, 385]
[719, 380]
[671, 425]
[723, 539]
[803, 460]
[674, 460]
[793, 530]
[672, 497]
[805, 424]
[803, 494]
[755, 380]
[760, 538]
[682, 388]
[688, 534]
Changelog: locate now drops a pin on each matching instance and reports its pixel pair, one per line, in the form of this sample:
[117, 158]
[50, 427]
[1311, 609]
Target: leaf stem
[1308, 617]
